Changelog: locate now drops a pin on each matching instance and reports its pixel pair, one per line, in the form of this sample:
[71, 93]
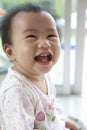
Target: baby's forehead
[37, 21]
[30, 16]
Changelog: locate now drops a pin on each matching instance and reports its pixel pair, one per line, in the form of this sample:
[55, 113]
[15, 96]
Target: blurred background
[70, 74]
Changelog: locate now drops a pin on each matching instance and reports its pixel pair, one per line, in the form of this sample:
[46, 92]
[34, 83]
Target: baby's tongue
[42, 59]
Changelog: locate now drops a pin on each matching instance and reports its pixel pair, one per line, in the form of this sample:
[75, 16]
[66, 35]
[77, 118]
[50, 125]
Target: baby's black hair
[5, 23]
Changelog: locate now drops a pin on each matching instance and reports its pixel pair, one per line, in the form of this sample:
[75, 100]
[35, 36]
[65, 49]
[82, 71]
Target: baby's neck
[41, 85]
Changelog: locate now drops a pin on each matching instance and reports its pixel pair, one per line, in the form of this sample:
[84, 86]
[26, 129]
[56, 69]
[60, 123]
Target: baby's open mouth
[43, 58]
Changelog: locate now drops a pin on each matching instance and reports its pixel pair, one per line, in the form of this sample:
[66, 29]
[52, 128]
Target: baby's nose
[44, 44]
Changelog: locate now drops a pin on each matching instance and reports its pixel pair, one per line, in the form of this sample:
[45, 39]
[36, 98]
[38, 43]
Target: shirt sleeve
[16, 111]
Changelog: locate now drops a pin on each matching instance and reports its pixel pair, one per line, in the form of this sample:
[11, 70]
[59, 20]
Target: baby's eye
[51, 36]
[31, 36]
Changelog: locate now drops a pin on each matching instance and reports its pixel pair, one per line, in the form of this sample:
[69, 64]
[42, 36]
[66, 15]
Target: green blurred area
[54, 6]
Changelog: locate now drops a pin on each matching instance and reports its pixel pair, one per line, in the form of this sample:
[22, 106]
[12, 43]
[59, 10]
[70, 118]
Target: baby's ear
[9, 51]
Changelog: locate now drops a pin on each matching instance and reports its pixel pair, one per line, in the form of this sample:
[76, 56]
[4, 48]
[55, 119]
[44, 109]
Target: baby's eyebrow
[36, 30]
[51, 29]
[30, 30]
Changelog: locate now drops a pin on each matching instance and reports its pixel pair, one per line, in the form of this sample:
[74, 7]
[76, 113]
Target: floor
[75, 106]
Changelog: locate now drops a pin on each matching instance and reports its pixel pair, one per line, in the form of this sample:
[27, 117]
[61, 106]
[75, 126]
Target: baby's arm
[70, 125]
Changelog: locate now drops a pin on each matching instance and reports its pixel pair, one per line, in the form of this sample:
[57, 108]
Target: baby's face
[35, 42]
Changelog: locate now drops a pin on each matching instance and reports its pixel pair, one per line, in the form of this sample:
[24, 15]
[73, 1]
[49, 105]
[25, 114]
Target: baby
[30, 39]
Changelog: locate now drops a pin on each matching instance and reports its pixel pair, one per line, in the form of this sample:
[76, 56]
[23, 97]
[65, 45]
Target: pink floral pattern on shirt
[40, 116]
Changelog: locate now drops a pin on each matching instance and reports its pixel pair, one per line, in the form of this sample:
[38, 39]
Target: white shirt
[24, 107]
